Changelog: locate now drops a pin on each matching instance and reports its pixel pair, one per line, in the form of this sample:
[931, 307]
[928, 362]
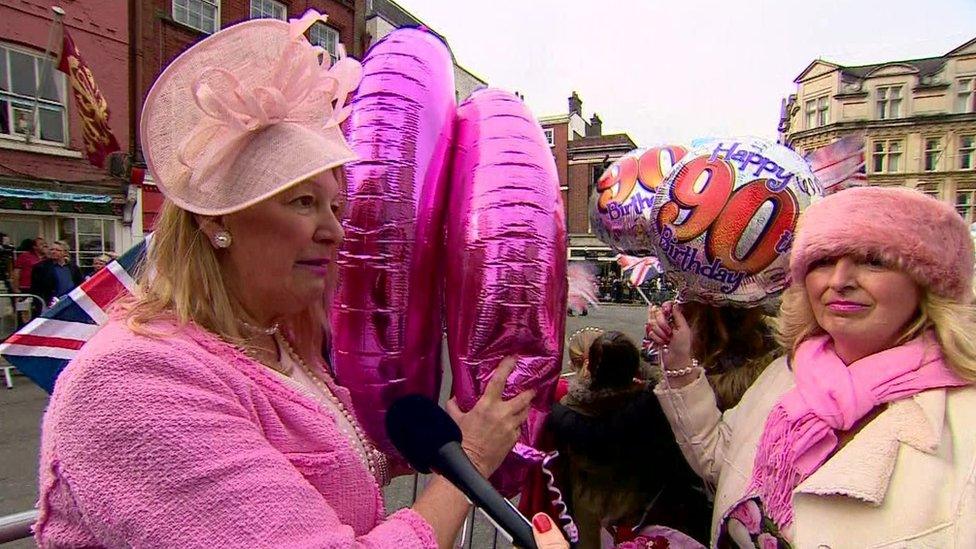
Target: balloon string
[572, 532]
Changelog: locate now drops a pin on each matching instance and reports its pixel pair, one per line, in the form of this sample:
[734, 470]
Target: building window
[889, 102]
[199, 14]
[887, 156]
[967, 146]
[964, 204]
[817, 112]
[933, 150]
[321, 35]
[823, 114]
[21, 74]
[87, 237]
[268, 9]
[550, 137]
[965, 96]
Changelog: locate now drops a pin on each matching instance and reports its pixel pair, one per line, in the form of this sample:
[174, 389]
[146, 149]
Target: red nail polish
[542, 523]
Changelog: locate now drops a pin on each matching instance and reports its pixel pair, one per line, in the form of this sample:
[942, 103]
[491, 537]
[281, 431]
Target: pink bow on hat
[303, 76]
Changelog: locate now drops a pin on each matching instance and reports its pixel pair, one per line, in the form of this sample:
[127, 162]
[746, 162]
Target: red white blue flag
[839, 165]
[640, 267]
[44, 347]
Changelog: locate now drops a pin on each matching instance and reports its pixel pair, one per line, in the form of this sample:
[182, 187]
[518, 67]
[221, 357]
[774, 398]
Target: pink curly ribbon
[572, 532]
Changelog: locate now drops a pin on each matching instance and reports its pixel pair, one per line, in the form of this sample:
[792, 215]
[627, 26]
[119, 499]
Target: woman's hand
[547, 536]
[492, 427]
[669, 330]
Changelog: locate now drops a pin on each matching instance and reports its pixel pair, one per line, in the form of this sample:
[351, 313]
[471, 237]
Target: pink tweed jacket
[186, 442]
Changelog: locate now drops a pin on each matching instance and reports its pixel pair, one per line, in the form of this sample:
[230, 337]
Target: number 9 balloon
[723, 219]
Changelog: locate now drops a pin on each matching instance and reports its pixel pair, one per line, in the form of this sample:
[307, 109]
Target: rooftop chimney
[595, 127]
[575, 105]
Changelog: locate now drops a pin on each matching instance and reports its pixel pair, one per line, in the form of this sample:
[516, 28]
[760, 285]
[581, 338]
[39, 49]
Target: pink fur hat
[926, 236]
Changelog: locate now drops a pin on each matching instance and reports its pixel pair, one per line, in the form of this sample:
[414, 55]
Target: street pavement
[22, 407]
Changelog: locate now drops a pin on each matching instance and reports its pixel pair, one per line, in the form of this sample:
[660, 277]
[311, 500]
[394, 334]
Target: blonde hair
[181, 281]
[952, 322]
[579, 345]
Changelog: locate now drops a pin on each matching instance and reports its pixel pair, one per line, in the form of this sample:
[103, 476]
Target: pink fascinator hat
[246, 113]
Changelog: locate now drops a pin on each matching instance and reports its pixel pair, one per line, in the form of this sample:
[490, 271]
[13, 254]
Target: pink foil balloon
[506, 261]
[387, 312]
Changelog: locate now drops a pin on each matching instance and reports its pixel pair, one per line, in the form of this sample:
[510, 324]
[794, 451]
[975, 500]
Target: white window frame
[24, 103]
[268, 9]
[884, 154]
[108, 228]
[886, 106]
[966, 94]
[810, 113]
[187, 6]
[317, 35]
[965, 203]
[931, 153]
[550, 136]
[823, 111]
[967, 152]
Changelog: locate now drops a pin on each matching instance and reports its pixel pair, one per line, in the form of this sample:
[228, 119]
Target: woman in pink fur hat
[864, 435]
[203, 414]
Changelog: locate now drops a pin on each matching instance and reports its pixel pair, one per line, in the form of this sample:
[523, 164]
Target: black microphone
[431, 441]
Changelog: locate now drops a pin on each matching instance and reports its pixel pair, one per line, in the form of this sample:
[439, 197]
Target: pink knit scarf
[800, 432]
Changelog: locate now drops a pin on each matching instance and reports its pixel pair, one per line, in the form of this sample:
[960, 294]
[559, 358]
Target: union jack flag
[839, 165]
[44, 347]
[640, 267]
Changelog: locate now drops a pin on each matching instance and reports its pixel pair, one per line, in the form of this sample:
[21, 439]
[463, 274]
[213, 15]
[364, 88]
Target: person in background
[864, 434]
[6, 261]
[55, 276]
[732, 344]
[98, 264]
[619, 466]
[31, 252]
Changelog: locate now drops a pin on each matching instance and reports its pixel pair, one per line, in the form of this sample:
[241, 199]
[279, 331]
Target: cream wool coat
[907, 479]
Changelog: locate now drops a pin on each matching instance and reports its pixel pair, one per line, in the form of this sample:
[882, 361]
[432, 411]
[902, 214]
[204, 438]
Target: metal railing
[17, 526]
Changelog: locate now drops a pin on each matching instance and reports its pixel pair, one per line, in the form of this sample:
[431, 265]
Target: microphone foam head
[418, 427]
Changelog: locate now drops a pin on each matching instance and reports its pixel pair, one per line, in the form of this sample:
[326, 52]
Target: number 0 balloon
[724, 218]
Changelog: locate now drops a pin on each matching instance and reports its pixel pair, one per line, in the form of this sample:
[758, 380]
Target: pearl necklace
[374, 460]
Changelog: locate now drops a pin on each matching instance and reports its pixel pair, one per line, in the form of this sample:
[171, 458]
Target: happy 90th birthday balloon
[723, 219]
[624, 196]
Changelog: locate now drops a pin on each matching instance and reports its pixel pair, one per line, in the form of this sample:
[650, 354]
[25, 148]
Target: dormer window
[965, 96]
[817, 112]
[889, 102]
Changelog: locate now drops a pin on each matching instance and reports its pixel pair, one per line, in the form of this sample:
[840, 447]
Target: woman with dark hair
[620, 465]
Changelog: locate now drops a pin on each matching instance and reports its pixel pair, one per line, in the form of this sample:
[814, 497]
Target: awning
[40, 201]
[32, 194]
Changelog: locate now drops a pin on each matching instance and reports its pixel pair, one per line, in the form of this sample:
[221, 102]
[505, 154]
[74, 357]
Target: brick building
[918, 116]
[47, 185]
[168, 27]
[582, 153]
[382, 16]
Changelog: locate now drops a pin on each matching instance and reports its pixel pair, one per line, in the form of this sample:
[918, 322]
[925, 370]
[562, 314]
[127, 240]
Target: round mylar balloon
[724, 218]
[621, 203]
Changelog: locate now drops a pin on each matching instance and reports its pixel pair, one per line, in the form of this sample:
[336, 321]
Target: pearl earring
[222, 239]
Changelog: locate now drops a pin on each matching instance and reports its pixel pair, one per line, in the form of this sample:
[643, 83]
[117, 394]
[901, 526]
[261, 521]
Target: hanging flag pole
[45, 69]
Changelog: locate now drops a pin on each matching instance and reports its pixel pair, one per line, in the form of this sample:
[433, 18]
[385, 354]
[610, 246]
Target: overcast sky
[665, 71]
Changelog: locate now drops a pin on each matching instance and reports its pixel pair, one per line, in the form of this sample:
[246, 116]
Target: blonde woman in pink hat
[865, 434]
[203, 414]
